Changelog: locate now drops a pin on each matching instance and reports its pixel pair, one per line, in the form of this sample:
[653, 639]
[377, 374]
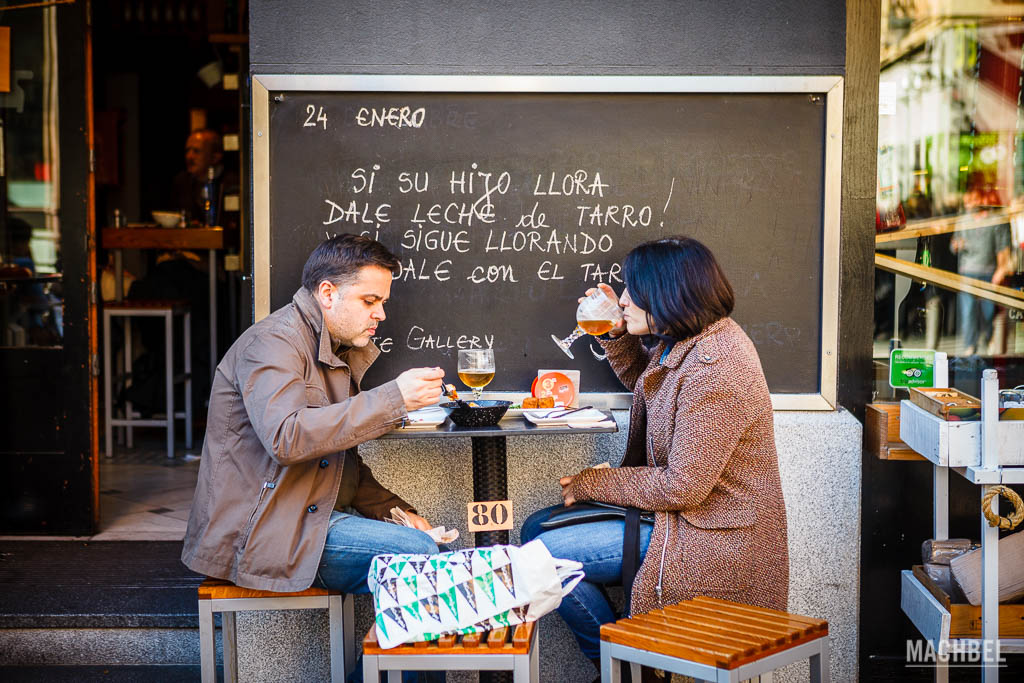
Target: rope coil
[1015, 518]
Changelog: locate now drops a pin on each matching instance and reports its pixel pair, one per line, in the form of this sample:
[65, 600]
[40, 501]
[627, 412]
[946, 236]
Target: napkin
[589, 424]
[438, 533]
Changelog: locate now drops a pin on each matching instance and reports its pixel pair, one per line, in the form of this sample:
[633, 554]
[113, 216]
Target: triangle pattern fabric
[469, 593]
[452, 603]
[396, 615]
[486, 582]
[504, 575]
[432, 607]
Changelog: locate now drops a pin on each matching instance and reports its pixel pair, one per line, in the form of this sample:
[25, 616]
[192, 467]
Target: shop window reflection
[31, 291]
[950, 202]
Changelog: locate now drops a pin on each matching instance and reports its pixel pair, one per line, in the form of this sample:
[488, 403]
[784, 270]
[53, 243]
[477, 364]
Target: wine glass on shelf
[476, 369]
[595, 315]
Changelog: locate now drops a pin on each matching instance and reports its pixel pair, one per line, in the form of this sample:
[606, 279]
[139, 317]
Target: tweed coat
[701, 454]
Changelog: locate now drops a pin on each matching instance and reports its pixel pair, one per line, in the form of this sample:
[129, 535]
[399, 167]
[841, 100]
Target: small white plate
[540, 417]
[425, 417]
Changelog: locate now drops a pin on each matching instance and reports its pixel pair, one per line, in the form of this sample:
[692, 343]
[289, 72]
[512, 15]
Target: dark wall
[540, 36]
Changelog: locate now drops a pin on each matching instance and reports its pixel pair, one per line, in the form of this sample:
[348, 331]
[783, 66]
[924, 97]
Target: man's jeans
[352, 541]
[598, 545]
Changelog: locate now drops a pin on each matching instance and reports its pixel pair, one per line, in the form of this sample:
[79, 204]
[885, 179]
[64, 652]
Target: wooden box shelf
[882, 433]
[965, 619]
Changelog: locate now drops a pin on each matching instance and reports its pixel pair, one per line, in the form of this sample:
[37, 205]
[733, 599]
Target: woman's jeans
[598, 545]
[351, 543]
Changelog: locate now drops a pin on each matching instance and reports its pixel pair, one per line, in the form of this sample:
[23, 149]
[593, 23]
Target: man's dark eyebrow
[371, 295]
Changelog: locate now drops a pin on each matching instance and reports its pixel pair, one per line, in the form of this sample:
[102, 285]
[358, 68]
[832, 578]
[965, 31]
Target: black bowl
[482, 414]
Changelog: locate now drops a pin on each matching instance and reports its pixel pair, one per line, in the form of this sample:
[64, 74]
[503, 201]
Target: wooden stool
[502, 649]
[148, 309]
[714, 640]
[222, 596]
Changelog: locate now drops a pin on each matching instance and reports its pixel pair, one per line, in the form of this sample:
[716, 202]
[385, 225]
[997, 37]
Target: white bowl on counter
[167, 219]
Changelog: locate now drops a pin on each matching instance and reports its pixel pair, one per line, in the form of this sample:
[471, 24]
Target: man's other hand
[418, 522]
[420, 387]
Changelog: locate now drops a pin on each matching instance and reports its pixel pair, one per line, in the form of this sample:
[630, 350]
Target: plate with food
[528, 403]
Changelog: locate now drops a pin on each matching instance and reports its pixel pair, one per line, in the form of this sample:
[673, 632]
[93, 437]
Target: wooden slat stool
[715, 640]
[221, 596]
[505, 649]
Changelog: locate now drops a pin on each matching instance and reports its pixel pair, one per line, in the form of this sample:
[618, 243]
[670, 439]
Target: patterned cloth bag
[422, 597]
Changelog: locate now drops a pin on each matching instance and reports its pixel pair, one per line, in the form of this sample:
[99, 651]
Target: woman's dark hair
[680, 284]
[339, 259]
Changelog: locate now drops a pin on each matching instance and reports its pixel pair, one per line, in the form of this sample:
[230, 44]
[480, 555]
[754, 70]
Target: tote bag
[422, 597]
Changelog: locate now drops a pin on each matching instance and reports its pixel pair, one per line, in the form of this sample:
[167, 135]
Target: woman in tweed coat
[700, 452]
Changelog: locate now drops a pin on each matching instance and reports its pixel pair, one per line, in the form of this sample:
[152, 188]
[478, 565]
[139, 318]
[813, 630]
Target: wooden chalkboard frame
[829, 87]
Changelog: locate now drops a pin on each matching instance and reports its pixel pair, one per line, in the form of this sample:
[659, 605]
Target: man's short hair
[210, 137]
[340, 258]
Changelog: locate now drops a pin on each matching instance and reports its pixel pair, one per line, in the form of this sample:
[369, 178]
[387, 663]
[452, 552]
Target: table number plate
[489, 515]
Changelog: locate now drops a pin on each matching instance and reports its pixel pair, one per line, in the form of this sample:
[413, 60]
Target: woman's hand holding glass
[597, 313]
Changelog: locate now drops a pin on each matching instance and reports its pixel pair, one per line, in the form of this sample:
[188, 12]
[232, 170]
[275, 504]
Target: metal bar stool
[153, 309]
[505, 649]
[216, 595]
[714, 640]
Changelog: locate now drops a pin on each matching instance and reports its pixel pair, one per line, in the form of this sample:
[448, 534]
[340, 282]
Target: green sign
[911, 368]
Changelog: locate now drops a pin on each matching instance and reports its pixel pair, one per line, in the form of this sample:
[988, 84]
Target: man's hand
[565, 483]
[418, 522]
[420, 387]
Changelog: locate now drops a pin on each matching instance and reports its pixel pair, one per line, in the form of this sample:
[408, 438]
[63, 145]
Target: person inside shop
[283, 500]
[700, 454]
[983, 254]
[204, 157]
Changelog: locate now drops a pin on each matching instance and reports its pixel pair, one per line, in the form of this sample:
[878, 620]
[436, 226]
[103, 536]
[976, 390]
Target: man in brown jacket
[283, 498]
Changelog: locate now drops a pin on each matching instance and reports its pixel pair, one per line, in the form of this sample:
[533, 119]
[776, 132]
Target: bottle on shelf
[210, 199]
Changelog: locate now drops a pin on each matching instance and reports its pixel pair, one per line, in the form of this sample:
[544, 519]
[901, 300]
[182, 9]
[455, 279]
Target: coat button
[324, 463]
[312, 508]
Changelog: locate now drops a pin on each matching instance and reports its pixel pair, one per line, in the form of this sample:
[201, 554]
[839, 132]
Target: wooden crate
[965, 620]
[948, 404]
[882, 433]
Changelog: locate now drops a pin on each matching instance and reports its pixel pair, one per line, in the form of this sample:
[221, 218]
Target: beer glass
[476, 369]
[595, 315]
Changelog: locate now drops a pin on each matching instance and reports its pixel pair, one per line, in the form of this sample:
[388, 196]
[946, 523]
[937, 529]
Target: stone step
[167, 673]
[108, 603]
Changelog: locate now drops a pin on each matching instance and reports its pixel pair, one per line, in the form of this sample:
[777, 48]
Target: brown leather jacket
[283, 411]
[701, 453]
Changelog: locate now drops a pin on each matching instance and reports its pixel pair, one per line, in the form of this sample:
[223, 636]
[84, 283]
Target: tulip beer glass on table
[595, 315]
[476, 369]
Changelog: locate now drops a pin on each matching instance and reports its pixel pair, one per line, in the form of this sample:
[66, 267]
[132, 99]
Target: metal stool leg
[349, 613]
[129, 434]
[820, 670]
[522, 669]
[609, 666]
[394, 676]
[207, 643]
[535, 659]
[229, 637]
[169, 379]
[108, 400]
[188, 380]
[337, 630]
[634, 671]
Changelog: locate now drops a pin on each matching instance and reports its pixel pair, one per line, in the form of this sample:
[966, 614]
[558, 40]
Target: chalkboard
[505, 207]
